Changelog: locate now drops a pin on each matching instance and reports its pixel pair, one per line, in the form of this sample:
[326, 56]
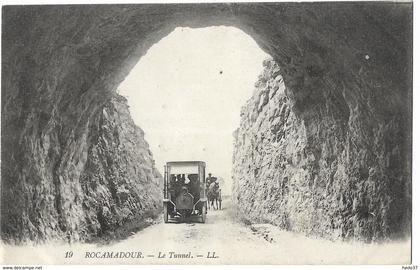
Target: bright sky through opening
[186, 94]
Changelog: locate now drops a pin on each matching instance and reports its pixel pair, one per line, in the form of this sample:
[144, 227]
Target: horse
[214, 194]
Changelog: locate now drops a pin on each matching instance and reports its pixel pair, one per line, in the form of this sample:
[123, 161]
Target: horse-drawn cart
[184, 193]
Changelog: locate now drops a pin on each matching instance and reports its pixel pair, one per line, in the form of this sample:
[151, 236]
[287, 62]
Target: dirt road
[221, 240]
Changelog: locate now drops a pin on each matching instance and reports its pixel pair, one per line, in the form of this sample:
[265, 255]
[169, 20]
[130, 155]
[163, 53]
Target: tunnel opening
[187, 91]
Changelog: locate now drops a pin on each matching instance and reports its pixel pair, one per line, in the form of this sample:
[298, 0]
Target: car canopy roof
[181, 167]
[185, 163]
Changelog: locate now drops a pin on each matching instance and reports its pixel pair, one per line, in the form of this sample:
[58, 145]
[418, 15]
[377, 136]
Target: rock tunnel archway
[345, 66]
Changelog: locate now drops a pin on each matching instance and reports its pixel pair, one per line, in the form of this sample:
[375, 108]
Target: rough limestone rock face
[316, 177]
[120, 181]
[85, 187]
[346, 69]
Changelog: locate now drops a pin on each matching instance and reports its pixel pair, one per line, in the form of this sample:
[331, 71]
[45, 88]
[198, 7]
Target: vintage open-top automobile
[184, 193]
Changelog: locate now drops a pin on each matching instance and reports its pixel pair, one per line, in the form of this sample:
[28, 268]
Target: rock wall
[84, 185]
[328, 177]
[346, 67]
[120, 182]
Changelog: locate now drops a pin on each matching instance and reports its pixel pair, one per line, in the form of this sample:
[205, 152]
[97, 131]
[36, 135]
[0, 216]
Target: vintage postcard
[207, 133]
